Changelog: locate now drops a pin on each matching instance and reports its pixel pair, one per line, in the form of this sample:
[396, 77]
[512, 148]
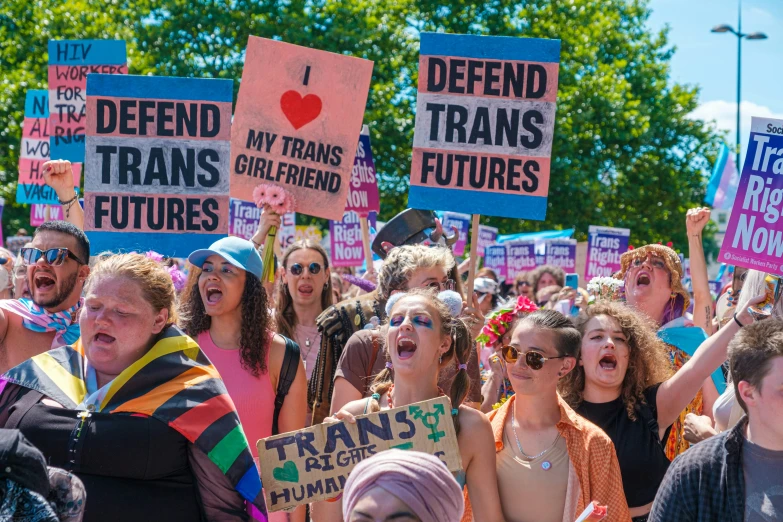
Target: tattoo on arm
[708, 324]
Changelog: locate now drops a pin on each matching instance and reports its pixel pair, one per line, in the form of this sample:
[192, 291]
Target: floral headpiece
[178, 277]
[499, 321]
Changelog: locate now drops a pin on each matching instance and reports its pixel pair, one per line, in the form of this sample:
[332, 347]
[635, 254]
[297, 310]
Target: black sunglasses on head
[298, 268]
[53, 256]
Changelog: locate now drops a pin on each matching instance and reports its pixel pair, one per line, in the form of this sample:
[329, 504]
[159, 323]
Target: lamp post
[724, 28]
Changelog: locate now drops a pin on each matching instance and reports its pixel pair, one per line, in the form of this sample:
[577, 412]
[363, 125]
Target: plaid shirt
[705, 483]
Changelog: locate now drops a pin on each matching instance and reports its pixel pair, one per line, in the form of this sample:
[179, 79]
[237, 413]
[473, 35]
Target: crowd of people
[129, 392]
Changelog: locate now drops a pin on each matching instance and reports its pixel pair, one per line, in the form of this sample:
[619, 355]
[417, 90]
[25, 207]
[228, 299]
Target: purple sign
[345, 240]
[715, 287]
[520, 258]
[562, 253]
[495, 258]
[605, 245]
[462, 223]
[754, 237]
[363, 191]
[243, 221]
[487, 236]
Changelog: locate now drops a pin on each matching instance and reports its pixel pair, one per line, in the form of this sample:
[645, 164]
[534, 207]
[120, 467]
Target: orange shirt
[593, 462]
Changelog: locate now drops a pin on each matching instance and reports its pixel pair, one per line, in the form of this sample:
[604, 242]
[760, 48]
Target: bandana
[190, 397]
[37, 319]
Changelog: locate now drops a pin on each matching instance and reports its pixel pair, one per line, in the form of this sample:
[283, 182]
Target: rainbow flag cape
[175, 383]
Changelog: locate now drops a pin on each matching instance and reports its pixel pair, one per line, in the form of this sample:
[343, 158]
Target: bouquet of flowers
[606, 289]
[272, 198]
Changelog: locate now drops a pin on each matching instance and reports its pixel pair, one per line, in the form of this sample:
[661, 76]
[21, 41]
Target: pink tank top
[253, 397]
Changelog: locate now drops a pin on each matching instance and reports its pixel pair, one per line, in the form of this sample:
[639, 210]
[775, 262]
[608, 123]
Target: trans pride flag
[724, 181]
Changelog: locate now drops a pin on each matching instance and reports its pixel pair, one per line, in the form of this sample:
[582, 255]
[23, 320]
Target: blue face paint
[423, 320]
[396, 320]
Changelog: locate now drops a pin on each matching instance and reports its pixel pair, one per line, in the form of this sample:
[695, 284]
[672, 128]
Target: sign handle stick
[474, 239]
[366, 242]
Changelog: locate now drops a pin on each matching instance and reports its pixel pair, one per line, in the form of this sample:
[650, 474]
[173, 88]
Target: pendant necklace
[546, 465]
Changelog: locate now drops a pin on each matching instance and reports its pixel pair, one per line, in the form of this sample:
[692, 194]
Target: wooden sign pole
[366, 242]
[474, 239]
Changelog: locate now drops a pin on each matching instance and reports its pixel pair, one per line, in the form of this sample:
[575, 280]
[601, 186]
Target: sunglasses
[534, 360]
[523, 283]
[655, 262]
[53, 256]
[297, 268]
[448, 284]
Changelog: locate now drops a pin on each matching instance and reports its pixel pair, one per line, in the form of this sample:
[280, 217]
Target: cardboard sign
[156, 168]
[462, 223]
[345, 240]
[495, 258]
[521, 258]
[70, 61]
[243, 218]
[287, 230]
[35, 150]
[297, 124]
[314, 463]
[562, 253]
[40, 214]
[604, 247]
[485, 119]
[754, 237]
[363, 192]
[487, 236]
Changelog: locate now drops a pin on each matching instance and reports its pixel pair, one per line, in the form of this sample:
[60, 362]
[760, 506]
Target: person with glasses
[544, 449]
[624, 385]
[363, 358]
[56, 269]
[423, 335]
[304, 291]
[522, 285]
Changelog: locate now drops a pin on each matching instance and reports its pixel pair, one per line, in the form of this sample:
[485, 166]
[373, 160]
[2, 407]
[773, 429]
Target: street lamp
[724, 28]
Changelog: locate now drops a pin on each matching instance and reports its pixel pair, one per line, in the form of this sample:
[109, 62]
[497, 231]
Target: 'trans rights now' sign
[485, 119]
[754, 237]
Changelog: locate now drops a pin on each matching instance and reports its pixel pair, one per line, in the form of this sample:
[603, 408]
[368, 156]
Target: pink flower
[154, 256]
[275, 195]
[178, 278]
[259, 195]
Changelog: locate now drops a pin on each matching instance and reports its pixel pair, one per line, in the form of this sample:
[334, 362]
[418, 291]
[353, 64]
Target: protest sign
[287, 231]
[243, 219]
[297, 124]
[462, 224]
[520, 258]
[15, 243]
[314, 463]
[345, 240]
[604, 248]
[562, 253]
[486, 237]
[70, 61]
[485, 118]
[39, 214]
[754, 236]
[495, 258]
[35, 151]
[311, 232]
[156, 165]
[363, 191]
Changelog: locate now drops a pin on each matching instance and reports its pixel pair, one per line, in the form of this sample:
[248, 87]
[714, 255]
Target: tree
[625, 153]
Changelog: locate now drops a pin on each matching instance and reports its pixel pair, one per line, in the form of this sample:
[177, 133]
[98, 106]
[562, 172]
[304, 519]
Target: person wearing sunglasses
[56, 269]
[544, 449]
[424, 334]
[624, 385]
[522, 285]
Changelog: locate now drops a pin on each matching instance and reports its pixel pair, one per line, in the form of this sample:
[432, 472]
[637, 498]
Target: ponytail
[461, 345]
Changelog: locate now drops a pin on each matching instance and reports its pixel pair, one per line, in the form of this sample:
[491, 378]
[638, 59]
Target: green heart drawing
[288, 473]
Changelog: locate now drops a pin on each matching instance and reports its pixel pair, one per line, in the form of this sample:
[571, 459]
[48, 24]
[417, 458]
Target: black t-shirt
[643, 462]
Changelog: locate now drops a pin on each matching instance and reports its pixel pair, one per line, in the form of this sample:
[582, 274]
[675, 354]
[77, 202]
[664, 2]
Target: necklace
[390, 399]
[546, 465]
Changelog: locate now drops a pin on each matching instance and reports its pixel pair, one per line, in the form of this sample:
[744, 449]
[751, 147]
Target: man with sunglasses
[56, 269]
[544, 449]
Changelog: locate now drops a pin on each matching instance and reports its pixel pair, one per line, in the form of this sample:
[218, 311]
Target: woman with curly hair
[623, 383]
[544, 276]
[225, 309]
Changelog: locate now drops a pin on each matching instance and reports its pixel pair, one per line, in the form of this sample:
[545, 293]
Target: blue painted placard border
[490, 47]
[172, 245]
[29, 103]
[472, 202]
[103, 52]
[160, 87]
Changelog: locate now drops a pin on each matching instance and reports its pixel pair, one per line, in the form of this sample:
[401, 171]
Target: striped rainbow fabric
[174, 383]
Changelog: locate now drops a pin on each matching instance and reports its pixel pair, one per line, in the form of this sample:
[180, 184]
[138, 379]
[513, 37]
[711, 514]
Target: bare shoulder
[276, 354]
[471, 419]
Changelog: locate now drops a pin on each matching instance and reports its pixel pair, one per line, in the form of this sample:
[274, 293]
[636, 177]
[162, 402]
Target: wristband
[738, 321]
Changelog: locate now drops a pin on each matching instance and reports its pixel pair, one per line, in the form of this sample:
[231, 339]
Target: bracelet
[254, 242]
[70, 201]
[738, 321]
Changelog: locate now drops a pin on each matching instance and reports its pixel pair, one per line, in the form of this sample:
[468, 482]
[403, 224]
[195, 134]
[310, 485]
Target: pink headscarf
[420, 480]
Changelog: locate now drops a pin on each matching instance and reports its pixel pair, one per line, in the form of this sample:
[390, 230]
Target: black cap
[22, 462]
[409, 227]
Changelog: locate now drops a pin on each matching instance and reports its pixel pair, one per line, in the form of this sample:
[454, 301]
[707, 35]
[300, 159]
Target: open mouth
[406, 347]
[608, 362]
[103, 338]
[305, 290]
[214, 295]
[643, 279]
[43, 281]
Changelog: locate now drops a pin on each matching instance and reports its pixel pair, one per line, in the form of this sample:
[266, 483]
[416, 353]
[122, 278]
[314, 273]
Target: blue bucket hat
[239, 252]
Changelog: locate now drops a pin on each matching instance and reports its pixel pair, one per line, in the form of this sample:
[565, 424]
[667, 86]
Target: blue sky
[710, 60]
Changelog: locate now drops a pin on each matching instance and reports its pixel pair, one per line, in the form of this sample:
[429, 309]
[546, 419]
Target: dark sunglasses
[448, 284]
[298, 268]
[523, 283]
[534, 360]
[53, 256]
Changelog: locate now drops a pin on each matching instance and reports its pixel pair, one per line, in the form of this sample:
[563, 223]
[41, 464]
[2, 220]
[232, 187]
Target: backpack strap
[646, 413]
[287, 376]
[29, 399]
[376, 347]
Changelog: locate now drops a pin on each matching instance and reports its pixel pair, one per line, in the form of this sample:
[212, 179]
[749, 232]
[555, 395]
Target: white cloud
[724, 115]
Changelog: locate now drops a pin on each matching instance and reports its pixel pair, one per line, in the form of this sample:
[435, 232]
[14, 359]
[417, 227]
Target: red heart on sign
[300, 111]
